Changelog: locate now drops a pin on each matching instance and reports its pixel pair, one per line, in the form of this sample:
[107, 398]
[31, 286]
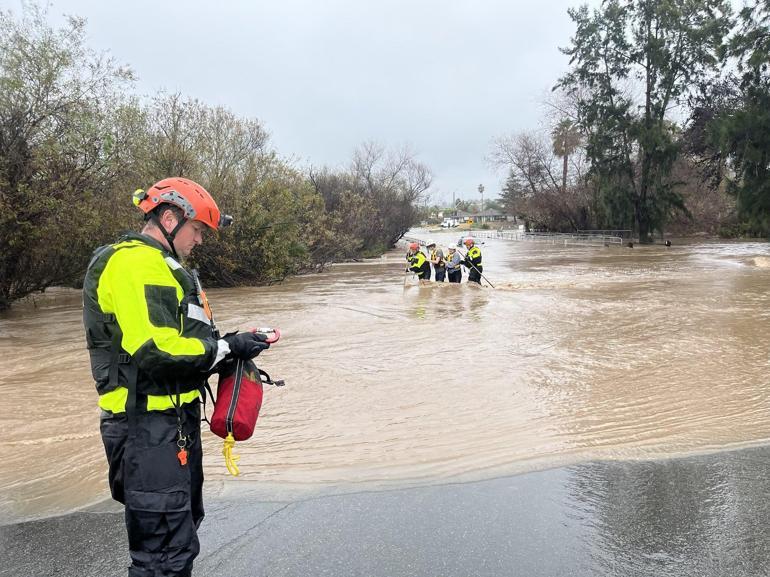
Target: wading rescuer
[152, 343]
[473, 261]
[418, 262]
[437, 260]
[453, 268]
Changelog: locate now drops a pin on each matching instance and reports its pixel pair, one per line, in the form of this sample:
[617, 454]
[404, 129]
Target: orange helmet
[469, 241]
[413, 246]
[191, 197]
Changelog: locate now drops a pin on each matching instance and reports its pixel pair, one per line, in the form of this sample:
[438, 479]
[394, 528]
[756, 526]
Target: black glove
[246, 345]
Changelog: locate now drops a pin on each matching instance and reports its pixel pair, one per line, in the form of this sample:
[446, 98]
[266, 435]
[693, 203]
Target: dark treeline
[661, 124]
[74, 145]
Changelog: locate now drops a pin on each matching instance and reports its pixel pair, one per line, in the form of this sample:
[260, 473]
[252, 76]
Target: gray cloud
[443, 77]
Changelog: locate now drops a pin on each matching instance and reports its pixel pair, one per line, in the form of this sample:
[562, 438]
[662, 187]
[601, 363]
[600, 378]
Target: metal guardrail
[621, 232]
[407, 239]
[563, 238]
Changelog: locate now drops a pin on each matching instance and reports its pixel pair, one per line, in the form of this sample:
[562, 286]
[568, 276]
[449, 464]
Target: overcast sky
[441, 76]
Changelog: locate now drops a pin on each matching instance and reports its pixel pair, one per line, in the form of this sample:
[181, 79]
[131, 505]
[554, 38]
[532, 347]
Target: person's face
[188, 237]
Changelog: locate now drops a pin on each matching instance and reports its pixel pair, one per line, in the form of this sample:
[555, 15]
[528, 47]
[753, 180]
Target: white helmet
[430, 242]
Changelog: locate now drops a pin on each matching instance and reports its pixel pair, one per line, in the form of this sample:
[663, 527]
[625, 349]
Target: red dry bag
[239, 398]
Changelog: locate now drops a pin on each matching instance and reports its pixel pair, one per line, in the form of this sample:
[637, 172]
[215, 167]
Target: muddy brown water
[578, 354]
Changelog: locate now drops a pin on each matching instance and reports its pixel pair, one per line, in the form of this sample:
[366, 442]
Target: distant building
[490, 215]
[461, 216]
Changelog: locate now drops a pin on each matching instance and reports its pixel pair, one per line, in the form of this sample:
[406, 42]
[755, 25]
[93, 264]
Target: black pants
[474, 275]
[456, 275]
[440, 274]
[163, 499]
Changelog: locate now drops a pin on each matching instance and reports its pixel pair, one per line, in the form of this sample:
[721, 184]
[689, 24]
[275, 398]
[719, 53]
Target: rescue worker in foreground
[437, 260]
[418, 262]
[152, 343]
[473, 261]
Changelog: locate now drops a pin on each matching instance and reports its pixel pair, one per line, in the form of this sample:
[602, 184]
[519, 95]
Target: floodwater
[578, 354]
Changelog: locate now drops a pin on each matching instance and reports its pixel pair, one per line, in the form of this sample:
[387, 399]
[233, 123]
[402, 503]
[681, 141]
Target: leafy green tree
[73, 147]
[659, 48]
[742, 130]
[266, 245]
[62, 129]
[493, 204]
[349, 212]
[514, 194]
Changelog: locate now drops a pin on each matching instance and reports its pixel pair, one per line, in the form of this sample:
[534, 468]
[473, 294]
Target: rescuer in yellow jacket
[473, 261]
[418, 262]
[152, 342]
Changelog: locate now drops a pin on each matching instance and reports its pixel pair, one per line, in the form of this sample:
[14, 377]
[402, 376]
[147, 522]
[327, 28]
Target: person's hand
[246, 345]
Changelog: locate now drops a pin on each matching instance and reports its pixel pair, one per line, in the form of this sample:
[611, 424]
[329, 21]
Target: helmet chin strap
[169, 236]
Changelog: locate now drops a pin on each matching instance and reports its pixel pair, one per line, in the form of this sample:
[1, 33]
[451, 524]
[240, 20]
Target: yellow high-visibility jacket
[473, 258]
[419, 264]
[145, 320]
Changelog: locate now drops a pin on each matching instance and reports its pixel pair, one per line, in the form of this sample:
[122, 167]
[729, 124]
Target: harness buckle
[124, 358]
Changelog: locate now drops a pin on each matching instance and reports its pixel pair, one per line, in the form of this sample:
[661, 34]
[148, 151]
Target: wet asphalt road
[697, 516]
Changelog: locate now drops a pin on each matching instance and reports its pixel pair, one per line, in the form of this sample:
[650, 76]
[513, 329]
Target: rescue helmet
[194, 201]
[430, 243]
[469, 241]
[452, 248]
[413, 246]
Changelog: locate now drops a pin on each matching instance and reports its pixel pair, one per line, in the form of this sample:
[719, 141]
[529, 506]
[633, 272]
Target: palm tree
[566, 138]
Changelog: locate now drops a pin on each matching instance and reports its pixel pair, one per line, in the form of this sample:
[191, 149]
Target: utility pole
[454, 206]
[481, 191]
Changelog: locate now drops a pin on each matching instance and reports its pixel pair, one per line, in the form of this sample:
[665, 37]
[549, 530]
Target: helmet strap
[169, 236]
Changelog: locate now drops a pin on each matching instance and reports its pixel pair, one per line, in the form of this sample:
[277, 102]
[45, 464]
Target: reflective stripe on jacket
[136, 294]
[419, 264]
[473, 257]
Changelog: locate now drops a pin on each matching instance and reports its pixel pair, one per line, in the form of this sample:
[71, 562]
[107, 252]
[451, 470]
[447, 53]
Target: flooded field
[578, 354]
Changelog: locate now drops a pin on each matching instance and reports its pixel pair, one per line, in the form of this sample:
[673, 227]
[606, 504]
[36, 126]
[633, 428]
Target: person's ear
[168, 219]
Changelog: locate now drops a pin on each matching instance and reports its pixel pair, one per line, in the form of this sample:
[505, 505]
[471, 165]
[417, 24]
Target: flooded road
[578, 354]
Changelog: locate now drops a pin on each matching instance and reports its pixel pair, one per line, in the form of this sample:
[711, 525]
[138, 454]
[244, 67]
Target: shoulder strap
[206, 392]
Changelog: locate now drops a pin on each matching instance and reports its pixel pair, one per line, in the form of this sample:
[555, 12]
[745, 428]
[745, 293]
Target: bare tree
[395, 183]
[533, 189]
